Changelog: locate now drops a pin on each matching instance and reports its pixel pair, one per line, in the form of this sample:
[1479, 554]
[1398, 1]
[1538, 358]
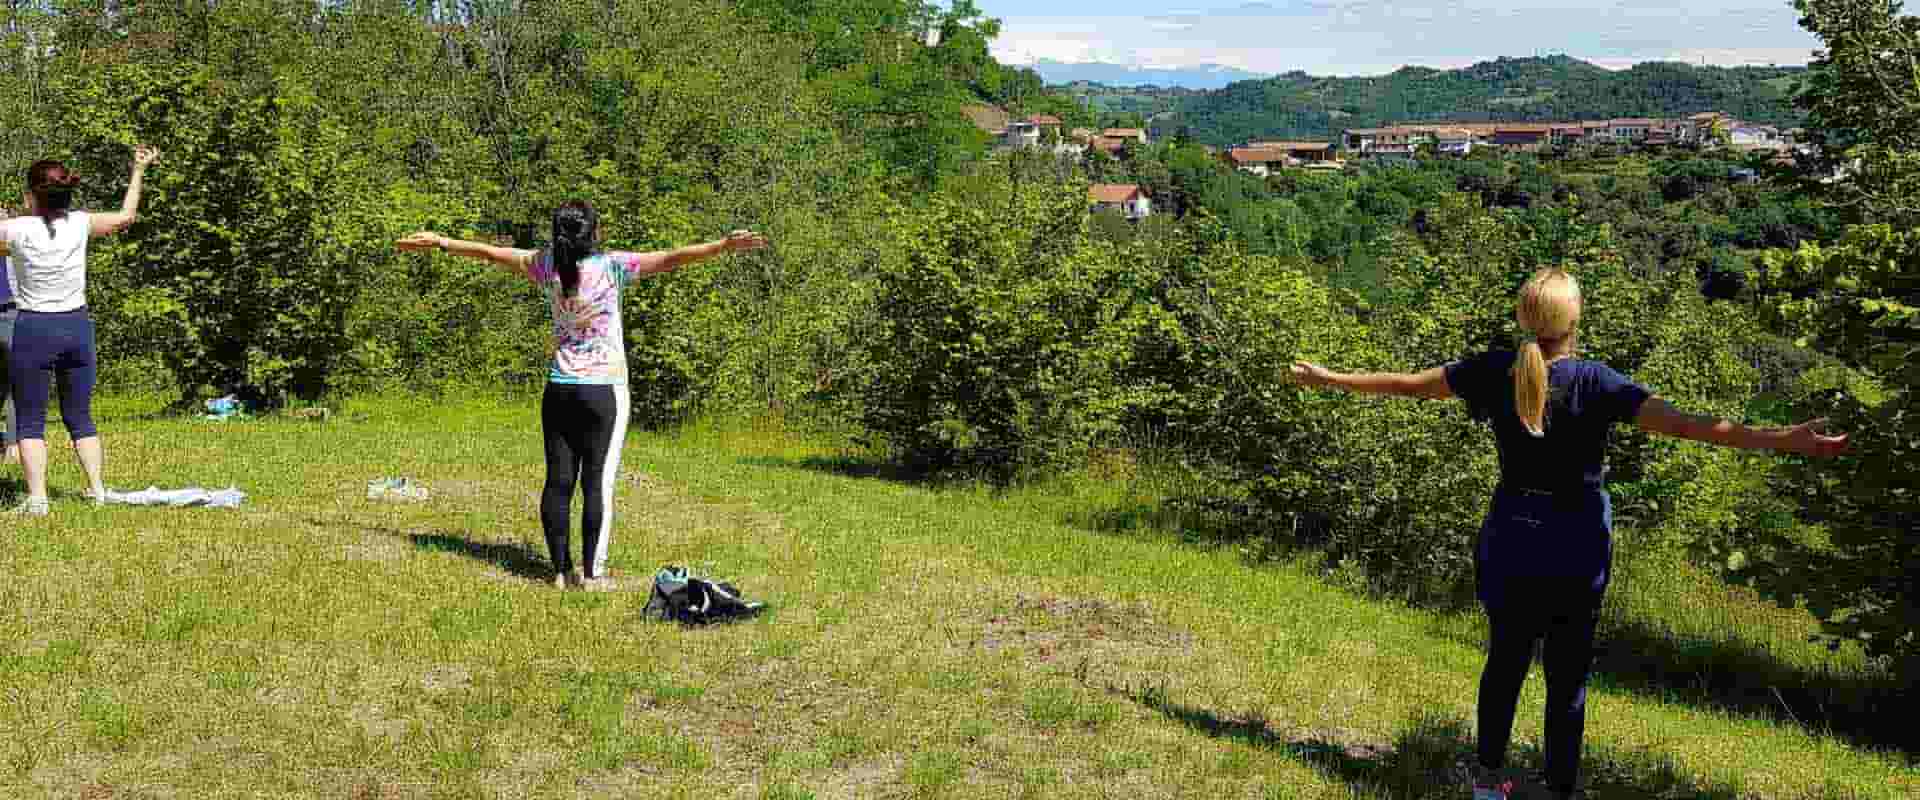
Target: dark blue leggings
[1565, 620]
[49, 346]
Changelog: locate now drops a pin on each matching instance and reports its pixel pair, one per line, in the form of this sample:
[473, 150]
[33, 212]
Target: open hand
[1307, 373]
[144, 155]
[424, 240]
[745, 240]
[1808, 439]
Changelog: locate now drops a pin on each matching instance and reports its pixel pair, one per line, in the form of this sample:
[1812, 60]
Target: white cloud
[1349, 37]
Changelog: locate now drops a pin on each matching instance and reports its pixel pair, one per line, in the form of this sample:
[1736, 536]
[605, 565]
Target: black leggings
[584, 426]
[1566, 620]
[47, 345]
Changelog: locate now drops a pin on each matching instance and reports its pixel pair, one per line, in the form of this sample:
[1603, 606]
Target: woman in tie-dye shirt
[584, 412]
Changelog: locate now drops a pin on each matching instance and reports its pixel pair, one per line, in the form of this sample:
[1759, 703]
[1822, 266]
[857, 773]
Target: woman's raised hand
[424, 240]
[1807, 439]
[144, 155]
[745, 240]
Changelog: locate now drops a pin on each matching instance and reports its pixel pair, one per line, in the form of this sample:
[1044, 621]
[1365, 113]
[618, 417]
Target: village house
[1107, 144]
[1266, 158]
[1749, 135]
[1257, 160]
[1021, 135]
[1697, 128]
[1521, 137]
[1126, 198]
[1367, 140]
[1453, 141]
[1138, 135]
[1299, 151]
[1630, 130]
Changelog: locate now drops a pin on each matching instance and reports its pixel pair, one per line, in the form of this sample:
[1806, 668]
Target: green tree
[1858, 299]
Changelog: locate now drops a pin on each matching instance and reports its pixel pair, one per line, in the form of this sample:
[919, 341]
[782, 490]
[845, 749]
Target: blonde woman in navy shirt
[1542, 559]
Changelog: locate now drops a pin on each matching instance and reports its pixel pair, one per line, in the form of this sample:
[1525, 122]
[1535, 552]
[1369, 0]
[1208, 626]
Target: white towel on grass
[191, 496]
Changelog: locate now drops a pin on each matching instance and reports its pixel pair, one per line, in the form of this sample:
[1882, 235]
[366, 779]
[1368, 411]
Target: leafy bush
[259, 233]
[1003, 331]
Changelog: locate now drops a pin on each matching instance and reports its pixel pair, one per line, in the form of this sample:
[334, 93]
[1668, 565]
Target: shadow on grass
[1740, 677]
[866, 468]
[13, 491]
[1429, 758]
[516, 559]
[1637, 655]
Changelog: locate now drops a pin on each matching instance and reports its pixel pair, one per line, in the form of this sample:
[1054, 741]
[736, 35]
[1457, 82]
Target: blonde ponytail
[1548, 309]
[1530, 388]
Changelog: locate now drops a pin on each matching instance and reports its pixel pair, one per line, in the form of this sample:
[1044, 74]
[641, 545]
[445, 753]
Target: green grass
[952, 642]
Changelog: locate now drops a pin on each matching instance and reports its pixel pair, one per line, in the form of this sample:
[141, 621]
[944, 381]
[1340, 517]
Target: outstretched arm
[1430, 384]
[511, 259]
[670, 260]
[1659, 416]
[112, 223]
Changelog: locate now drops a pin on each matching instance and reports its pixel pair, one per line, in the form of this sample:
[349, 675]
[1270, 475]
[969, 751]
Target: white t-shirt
[48, 273]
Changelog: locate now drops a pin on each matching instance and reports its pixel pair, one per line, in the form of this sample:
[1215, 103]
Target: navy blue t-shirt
[1541, 546]
[1585, 399]
[6, 281]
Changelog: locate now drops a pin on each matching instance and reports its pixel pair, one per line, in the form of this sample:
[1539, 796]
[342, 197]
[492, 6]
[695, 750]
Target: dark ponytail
[52, 188]
[576, 232]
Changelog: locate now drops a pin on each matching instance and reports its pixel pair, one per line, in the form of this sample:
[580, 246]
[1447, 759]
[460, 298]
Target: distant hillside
[1204, 76]
[1298, 105]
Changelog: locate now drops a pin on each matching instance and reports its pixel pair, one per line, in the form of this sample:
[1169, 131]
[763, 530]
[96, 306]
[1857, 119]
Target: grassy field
[923, 642]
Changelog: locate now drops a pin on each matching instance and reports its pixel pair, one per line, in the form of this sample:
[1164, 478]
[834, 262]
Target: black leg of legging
[599, 468]
[1568, 660]
[1511, 633]
[558, 408]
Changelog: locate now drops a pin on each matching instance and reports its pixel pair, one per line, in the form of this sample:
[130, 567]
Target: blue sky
[1367, 37]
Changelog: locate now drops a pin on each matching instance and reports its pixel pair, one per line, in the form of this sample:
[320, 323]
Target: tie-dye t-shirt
[589, 342]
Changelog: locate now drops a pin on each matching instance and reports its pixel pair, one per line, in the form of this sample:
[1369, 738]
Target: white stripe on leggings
[609, 478]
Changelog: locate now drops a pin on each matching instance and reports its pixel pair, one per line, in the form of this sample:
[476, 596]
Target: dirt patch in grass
[1052, 628]
[447, 677]
[874, 777]
[377, 724]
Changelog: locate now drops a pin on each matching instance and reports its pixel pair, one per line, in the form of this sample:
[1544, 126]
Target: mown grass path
[924, 642]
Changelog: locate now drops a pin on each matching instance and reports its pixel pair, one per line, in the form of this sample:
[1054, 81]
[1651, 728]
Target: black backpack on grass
[680, 596]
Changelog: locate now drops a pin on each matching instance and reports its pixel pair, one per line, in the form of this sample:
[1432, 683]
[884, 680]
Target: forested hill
[1513, 89]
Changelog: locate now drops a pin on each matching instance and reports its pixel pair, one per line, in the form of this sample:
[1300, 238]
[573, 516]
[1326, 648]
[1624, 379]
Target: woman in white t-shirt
[46, 254]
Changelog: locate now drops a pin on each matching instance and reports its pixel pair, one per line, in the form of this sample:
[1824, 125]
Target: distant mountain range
[1203, 76]
[1298, 105]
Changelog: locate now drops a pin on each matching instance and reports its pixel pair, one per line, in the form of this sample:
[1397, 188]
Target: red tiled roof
[1314, 146]
[1256, 155]
[1112, 192]
[1044, 119]
[1133, 133]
